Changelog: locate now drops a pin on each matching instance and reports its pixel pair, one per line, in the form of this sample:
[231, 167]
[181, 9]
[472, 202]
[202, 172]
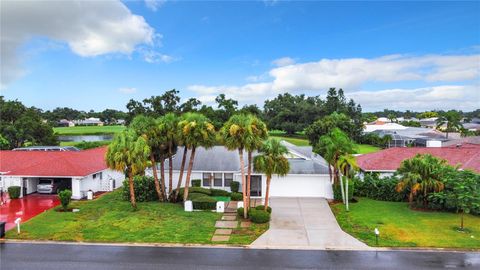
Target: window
[228, 179]
[94, 175]
[217, 179]
[206, 179]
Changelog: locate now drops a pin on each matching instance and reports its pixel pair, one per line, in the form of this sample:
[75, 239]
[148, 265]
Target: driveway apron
[305, 223]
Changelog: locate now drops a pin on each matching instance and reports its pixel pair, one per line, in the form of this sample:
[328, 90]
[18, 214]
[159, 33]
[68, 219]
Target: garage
[301, 186]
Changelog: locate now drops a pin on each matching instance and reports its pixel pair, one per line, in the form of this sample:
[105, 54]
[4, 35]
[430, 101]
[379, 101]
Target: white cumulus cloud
[154, 5]
[284, 61]
[127, 90]
[90, 28]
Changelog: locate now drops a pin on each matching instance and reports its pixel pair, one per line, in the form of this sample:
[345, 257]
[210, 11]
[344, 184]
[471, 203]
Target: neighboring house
[217, 167]
[82, 170]
[380, 125]
[429, 122]
[92, 121]
[403, 136]
[465, 140]
[65, 123]
[386, 162]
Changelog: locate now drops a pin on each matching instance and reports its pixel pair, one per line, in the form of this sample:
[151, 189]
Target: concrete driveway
[305, 223]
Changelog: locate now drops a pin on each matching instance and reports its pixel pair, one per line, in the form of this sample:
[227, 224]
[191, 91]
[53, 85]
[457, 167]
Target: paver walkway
[305, 223]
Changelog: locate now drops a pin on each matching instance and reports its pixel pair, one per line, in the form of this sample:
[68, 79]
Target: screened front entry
[256, 186]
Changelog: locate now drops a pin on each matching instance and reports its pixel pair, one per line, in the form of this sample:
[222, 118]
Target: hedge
[219, 192]
[14, 192]
[236, 196]
[196, 182]
[204, 203]
[262, 207]
[205, 191]
[234, 186]
[380, 189]
[258, 216]
[144, 187]
[337, 193]
[192, 196]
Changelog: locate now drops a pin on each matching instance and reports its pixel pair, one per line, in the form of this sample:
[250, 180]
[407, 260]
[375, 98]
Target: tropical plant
[65, 197]
[196, 131]
[270, 161]
[452, 120]
[422, 173]
[347, 165]
[168, 125]
[129, 154]
[147, 127]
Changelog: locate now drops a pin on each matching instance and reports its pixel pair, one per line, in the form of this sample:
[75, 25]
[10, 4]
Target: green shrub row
[219, 192]
[379, 189]
[144, 188]
[262, 207]
[204, 202]
[337, 192]
[14, 192]
[234, 186]
[258, 216]
[236, 196]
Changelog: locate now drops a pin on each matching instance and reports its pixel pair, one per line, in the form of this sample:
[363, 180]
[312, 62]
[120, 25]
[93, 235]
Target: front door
[256, 186]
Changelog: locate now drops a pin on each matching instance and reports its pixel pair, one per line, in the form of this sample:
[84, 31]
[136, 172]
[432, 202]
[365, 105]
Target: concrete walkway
[305, 223]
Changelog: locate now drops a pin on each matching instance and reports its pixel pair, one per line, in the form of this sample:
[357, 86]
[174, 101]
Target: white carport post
[76, 189]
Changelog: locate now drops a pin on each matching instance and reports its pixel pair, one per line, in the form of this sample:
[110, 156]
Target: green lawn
[110, 219]
[366, 148]
[293, 140]
[77, 143]
[402, 227]
[88, 130]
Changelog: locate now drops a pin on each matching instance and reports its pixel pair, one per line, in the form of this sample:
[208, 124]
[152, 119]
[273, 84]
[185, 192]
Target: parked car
[50, 186]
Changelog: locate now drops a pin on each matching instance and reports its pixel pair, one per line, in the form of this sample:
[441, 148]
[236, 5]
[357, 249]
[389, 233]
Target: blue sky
[413, 55]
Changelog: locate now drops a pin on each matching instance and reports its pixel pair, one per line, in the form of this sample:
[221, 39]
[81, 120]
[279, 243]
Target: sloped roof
[53, 163]
[468, 156]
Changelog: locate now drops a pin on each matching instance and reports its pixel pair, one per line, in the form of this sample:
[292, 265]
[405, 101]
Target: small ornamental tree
[65, 197]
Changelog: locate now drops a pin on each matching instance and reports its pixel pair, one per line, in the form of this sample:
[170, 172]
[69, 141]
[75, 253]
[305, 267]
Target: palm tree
[452, 119]
[128, 153]
[234, 135]
[256, 133]
[147, 127]
[347, 165]
[168, 124]
[197, 131]
[271, 161]
[421, 173]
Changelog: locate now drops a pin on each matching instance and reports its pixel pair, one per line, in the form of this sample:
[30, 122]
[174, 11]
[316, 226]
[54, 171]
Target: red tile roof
[53, 163]
[468, 156]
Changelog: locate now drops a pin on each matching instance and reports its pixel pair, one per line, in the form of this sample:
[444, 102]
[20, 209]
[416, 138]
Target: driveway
[305, 223]
[26, 208]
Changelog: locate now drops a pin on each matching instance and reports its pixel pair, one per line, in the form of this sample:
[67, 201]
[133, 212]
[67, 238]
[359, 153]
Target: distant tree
[411, 124]
[392, 117]
[326, 124]
[190, 105]
[427, 115]
[110, 116]
[168, 126]
[252, 109]
[452, 119]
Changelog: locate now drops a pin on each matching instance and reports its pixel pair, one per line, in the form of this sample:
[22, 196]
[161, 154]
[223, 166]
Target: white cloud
[90, 28]
[284, 61]
[351, 74]
[152, 56]
[127, 90]
[154, 5]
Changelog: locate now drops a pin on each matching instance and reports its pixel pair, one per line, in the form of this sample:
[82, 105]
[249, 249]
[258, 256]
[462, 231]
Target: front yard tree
[347, 165]
[146, 126]
[197, 131]
[128, 153]
[270, 161]
[422, 173]
[168, 125]
[234, 136]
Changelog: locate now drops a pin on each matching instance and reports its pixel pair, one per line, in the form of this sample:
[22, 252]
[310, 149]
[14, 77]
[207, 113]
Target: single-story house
[92, 121]
[81, 170]
[386, 162]
[217, 167]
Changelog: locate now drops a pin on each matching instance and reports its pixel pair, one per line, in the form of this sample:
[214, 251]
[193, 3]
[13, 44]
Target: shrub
[236, 196]
[196, 182]
[204, 203]
[258, 216]
[240, 211]
[14, 192]
[192, 196]
[379, 189]
[262, 207]
[337, 192]
[65, 197]
[220, 192]
[144, 187]
[205, 191]
[234, 186]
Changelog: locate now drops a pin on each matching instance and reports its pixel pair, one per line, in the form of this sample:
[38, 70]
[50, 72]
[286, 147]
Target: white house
[81, 171]
[217, 167]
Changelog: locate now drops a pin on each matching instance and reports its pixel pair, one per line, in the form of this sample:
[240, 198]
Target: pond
[87, 138]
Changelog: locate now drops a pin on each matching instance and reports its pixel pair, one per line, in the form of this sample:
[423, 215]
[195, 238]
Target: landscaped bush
[258, 216]
[205, 191]
[192, 196]
[262, 207]
[144, 187]
[234, 186]
[240, 211]
[236, 196]
[14, 192]
[65, 197]
[379, 189]
[337, 192]
[196, 182]
[220, 192]
[204, 203]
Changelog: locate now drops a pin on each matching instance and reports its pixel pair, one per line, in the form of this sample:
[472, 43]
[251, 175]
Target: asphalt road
[67, 256]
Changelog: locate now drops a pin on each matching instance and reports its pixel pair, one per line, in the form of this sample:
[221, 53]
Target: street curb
[172, 245]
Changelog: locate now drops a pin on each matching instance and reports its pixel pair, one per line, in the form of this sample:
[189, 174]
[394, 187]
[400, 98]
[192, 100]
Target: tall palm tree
[347, 165]
[271, 161]
[421, 173]
[128, 153]
[146, 126]
[197, 131]
[452, 119]
[168, 124]
[234, 135]
[256, 133]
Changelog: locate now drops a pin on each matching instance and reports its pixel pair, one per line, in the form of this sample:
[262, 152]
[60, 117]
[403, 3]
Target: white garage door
[301, 186]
